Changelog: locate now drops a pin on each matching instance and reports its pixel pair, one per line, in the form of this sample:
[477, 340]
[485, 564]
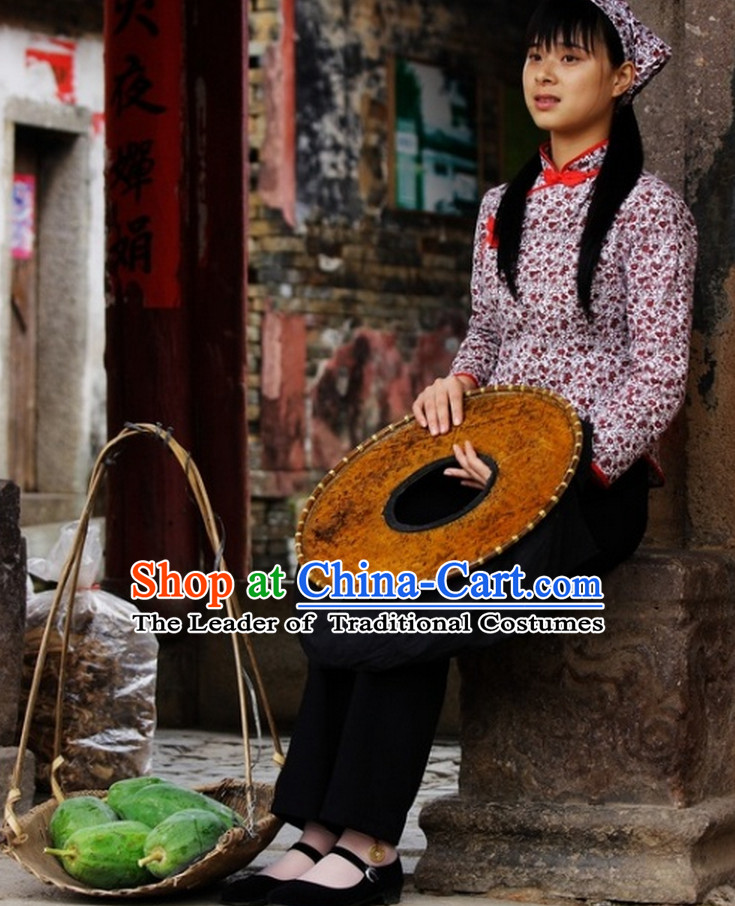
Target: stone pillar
[12, 608]
[12, 632]
[601, 766]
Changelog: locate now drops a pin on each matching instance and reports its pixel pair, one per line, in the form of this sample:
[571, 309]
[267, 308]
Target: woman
[582, 282]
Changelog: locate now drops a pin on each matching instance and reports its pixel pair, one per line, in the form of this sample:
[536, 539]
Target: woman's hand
[439, 406]
[472, 471]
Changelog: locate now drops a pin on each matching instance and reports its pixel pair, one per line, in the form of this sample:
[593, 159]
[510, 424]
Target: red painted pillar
[147, 350]
[177, 201]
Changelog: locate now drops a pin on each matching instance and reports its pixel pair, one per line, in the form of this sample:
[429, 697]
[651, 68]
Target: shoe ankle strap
[310, 851]
[350, 857]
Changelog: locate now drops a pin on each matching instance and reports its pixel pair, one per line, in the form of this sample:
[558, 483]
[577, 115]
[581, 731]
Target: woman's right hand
[440, 406]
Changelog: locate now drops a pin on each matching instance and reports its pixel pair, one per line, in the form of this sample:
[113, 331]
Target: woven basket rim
[24, 835]
[235, 848]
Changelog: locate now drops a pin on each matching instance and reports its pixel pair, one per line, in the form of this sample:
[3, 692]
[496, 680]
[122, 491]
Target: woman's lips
[545, 101]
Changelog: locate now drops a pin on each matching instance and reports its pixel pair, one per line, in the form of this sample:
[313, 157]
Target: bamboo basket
[25, 836]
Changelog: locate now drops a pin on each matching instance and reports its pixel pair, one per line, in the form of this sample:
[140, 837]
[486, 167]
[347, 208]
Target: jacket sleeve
[478, 352]
[659, 263]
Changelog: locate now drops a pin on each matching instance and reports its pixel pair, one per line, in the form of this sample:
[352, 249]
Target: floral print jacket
[623, 367]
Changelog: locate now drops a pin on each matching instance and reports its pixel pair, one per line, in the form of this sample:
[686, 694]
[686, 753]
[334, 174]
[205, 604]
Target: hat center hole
[428, 498]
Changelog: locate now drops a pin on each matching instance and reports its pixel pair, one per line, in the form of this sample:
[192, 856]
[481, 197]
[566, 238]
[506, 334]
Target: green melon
[106, 856]
[181, 839]
[74, 814]
[155, 802]
[122, 790]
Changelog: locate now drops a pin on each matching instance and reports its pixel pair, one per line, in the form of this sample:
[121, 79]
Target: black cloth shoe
[254, 889]
[378, 885]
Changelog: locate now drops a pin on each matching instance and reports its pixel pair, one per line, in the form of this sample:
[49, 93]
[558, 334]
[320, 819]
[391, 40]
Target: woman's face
[571, 90]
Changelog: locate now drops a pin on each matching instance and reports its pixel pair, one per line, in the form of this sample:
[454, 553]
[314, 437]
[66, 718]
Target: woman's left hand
[473, 472]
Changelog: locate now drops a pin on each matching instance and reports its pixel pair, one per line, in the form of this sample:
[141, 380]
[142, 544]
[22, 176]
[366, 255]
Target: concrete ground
[193, 758]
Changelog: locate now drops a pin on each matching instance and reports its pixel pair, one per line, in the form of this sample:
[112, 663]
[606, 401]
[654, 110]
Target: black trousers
[363, 736]
[360, 746]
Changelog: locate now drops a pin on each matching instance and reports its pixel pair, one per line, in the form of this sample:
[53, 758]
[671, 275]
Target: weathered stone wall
[12, 608]
[708, 106]
[687, 120]
[600, 768]
[12, 631]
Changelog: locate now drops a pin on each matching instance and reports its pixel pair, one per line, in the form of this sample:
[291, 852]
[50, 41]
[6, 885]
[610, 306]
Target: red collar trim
[570, 174]
[545, 152]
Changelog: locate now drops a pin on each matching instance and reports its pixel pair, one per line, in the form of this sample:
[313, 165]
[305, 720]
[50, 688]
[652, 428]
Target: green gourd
[106, 856]
[181, 839]
[124, 789]
[154, 803]
[75, 813]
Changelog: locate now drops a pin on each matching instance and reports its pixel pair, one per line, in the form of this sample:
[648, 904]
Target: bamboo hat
[388, 502]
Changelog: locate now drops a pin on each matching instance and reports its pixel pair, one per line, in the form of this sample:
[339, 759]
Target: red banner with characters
[144, 77]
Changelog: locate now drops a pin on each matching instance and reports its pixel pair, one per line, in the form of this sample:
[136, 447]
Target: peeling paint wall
[383, 296]
[354, 306]
[51, 85]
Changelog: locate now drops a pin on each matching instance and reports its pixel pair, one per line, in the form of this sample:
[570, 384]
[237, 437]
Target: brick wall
[354, 306]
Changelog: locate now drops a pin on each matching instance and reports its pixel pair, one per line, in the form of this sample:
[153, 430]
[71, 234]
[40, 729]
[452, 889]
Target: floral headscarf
[641, 46]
